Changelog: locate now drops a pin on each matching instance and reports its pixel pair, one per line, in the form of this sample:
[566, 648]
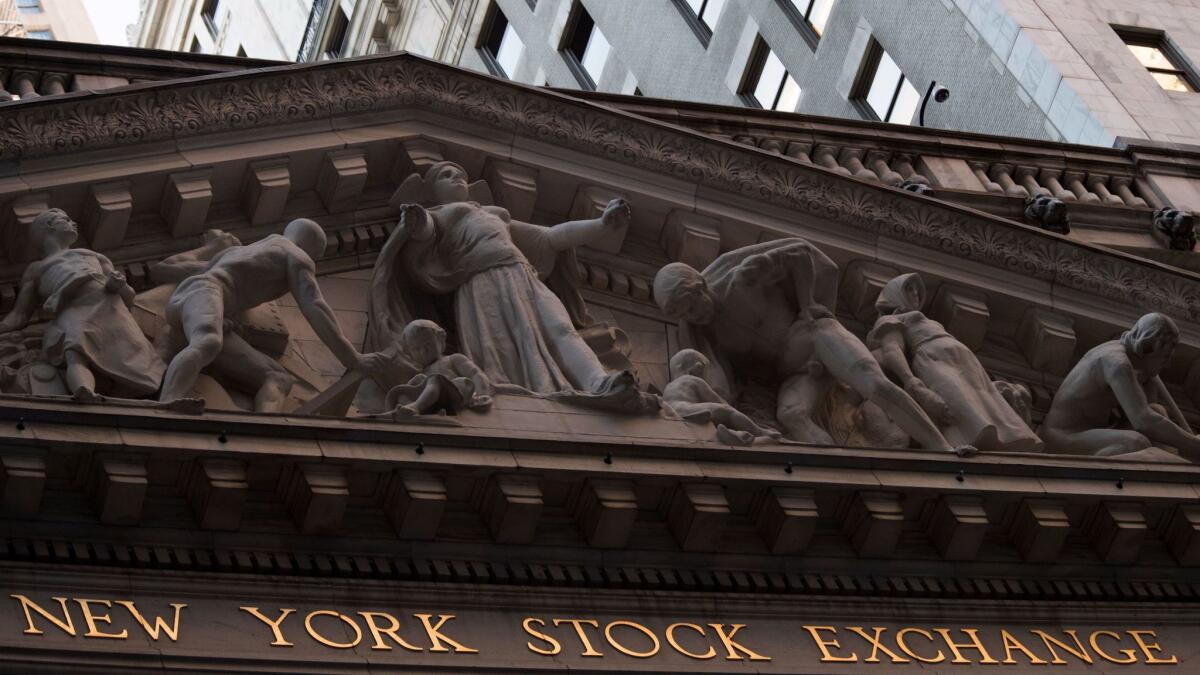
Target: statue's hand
[414, 219]
[52, 303]
[930, 402]
[617, 214]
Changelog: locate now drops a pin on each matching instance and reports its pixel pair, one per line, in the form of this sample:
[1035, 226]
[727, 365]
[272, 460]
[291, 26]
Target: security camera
[940, 94]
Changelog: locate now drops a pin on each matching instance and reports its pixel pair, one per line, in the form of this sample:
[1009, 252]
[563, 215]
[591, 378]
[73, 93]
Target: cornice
[301, 93]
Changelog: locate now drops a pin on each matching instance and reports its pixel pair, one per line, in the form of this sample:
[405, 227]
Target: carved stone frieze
[297, 94]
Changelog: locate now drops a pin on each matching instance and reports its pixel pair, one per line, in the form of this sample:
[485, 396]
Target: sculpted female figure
[92, 331]
[942, 374]
[506, 319]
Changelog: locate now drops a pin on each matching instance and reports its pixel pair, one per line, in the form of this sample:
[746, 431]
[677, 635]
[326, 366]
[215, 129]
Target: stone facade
[330, 488]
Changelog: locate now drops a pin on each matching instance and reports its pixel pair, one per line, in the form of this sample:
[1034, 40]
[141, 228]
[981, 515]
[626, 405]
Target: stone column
[1099, 185]
[799, 151]
[1049, 178]
[824, 157]
[1074, 181]
[25, 82]
[852, 160]
[980, 170]
[877, 160]
[1121, 185]
[54, 83]
[1002, 174]
[1027, 175]
[903, 164]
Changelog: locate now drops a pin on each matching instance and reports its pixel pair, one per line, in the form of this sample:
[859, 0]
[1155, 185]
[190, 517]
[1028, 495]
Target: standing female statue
[92, 332]
[942, 374]
[491, 267]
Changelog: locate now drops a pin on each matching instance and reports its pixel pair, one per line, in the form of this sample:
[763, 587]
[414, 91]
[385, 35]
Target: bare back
[1085, 398]
[256, 273]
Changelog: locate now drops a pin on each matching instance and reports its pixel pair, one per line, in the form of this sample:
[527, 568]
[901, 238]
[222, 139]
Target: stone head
[683, 295]
[424, 341]
[689, 362]
[1154, 335]
[54, 225]
[447, 182]
[905, 293]
[308, 235]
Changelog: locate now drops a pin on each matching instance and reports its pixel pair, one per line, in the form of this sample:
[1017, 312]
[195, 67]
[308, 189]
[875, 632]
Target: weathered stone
[511, 506]
[414, 503]
[1040, 529]
[691, 238]
[268, 184]
[1183, 534]
[342, 178]
[185, 202]
[118, 487]
[513, 186]
[957, 526]
[696, 514]
[787, 518]
[316, 496]
[216, 490]
[963, 312]
[606, 511]
[1047, 340]
[106, 216]
[22, 482]
[1117, 531]
[873, 522]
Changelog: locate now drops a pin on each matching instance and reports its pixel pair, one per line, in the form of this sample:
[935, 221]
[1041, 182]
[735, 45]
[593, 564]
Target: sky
[110, 17]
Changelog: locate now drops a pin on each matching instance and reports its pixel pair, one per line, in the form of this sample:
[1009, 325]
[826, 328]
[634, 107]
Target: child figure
[451, 383]
[690, 395]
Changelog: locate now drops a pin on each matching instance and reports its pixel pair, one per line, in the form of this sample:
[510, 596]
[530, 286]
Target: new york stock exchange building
[379, 364]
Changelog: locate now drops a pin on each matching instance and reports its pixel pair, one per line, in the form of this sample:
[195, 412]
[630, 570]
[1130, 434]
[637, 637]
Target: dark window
[499, 44]
[44, 34]
[810, 17]
[208, 12]
[338, 25]
[241, 52]
[532, 4]
[701, 16]
[195, 48]
[1166, 64]
[584, 47]
[882, 91]
[767, 83]
[29, 6]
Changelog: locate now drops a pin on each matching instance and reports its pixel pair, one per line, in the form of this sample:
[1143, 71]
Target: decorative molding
[304, 93]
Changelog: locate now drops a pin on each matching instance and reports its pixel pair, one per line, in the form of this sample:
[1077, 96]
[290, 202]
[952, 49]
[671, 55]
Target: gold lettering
[1011, 643]
[900, 641]
[732, 647]
[824, 645]
[390, 631]
[312, 632]
[436, 636]
[877, 645]
[625, 650]
[86, 605]
[671, 641]
[1129, 653]
[973, 644]
[66, 625]
[1147, 648]
[276, 625]
[159, 624]
[583, 638]
[1078, 651]
[555, 645]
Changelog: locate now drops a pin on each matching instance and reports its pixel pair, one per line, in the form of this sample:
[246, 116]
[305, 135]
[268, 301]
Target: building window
[584, 47]
[241, 52]
[338, 25]
[29, 6]
[701, 16]
[1166, 64]
[809, 16]
[882, 91]
[208, 12]
[195, 48]
[767, 83]
[499, 43]
[43, 34]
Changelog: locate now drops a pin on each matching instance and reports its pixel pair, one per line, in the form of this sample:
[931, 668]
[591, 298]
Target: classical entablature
[557, 453]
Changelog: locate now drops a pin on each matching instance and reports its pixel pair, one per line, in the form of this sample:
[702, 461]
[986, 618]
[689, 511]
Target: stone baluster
[5, 95]
[1122, 185]
[1049, 178]
[903, 164]
[1027, 175]
[54, 83]
[1074, 181]
[852, 160]
[25, 82]
[799, 151]
[1099, 185]
[824, 157]
[775, 145]
[877, 161]
[980, 169]
[1002, 174]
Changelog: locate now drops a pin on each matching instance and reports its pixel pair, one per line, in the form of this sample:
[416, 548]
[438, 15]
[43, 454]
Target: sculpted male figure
[1124, 374]
[239, 278]
[769, 305]
[92, 331]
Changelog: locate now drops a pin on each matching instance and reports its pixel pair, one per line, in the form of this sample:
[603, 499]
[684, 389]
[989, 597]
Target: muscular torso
[753, 324]
[1085, 398]
[253, 274]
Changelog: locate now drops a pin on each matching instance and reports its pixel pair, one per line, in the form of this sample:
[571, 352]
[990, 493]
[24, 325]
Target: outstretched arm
[575, 233]
[894, 360]
[303, 281]
[465, 367]
[1157, 427]
[26, 301]
[189, 263]
[1161, 395]
[115, 281]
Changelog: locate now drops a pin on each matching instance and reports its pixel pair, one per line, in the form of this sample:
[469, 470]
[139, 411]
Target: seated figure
[693, 398]
[450, 382]
[1121, 374]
